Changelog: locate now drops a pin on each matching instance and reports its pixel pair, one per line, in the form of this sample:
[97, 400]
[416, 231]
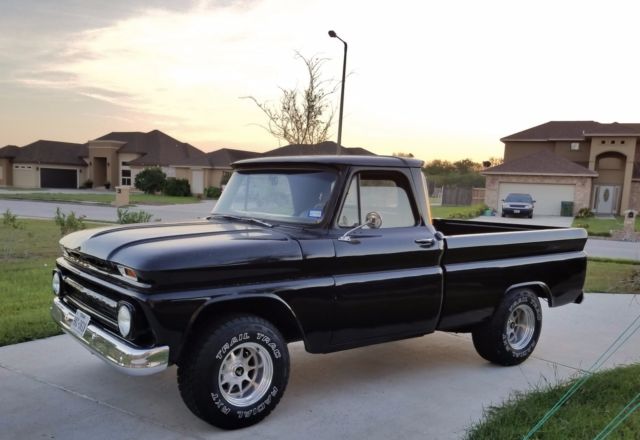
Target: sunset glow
[437, 79]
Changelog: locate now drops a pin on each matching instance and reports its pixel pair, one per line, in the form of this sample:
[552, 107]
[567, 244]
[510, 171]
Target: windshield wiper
[242, 219]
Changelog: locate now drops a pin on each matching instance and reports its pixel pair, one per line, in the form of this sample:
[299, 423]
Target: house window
[622, 142]
[126, 178]
[124, 163]
[602, 141]
[613, 142]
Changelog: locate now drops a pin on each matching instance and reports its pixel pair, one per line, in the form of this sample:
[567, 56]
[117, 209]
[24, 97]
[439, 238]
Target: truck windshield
[295, 196]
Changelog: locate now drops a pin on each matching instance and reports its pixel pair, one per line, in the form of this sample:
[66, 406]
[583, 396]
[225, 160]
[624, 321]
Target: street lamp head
[333, 34]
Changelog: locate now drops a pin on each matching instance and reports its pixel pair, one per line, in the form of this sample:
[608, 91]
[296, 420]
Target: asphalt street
[25, 208]
[594, 247]
[432, 387]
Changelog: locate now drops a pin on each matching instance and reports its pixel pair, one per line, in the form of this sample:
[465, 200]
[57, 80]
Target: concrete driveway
[432, 387]
[543, 220]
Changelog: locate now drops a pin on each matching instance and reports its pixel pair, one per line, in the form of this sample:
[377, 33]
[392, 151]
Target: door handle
[425, 241]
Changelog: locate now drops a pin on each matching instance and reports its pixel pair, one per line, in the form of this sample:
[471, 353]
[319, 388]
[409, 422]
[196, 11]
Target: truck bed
[481, 261]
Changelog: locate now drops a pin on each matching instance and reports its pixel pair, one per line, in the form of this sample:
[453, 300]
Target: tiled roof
[9, 151]
[573, 131]
[321, 149]
[156, 147]
[224, 157]
[52, 152]
[541, 163]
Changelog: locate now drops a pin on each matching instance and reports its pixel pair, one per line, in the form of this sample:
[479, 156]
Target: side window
[384, 192]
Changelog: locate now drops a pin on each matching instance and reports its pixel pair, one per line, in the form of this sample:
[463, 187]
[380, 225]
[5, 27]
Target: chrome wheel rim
[520, 327]
[245, 374]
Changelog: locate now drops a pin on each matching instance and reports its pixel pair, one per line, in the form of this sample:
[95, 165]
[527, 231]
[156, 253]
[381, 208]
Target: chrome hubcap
[245, 374]
[520, 327]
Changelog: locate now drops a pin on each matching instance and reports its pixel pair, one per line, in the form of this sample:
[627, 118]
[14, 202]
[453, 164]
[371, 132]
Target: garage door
[547, 196]
[56, 178]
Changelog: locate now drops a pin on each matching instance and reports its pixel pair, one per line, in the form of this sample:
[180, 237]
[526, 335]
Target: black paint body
[331, 294]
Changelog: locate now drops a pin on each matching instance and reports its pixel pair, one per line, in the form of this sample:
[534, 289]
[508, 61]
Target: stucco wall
[635, 195]
[6, 171]
[582, 187]
[108, 150]
[514, 150]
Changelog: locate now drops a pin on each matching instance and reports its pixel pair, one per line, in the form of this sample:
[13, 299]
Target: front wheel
[236, 373]
[512, 333]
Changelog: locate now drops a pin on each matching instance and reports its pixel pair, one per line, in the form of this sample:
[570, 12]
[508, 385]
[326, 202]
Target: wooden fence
[454, 195]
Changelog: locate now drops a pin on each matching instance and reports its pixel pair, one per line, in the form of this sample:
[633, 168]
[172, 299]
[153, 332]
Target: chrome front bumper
[115, 352]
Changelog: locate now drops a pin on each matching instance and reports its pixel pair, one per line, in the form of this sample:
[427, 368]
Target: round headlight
[124, 319]
[56, 283]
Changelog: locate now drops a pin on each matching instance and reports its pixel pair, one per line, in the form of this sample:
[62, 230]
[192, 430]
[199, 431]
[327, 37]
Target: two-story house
[591, 164]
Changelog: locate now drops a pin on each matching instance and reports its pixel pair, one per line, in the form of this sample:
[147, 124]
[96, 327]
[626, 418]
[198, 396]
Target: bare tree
[301, 117]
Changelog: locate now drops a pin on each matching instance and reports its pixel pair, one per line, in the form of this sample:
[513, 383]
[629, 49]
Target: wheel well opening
[267, 309]
[541, 291]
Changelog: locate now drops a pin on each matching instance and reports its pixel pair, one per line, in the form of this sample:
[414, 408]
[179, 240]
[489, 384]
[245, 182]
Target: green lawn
[468, 211]
[27, 256]
[607, 276]
[106, 198]
[601, 226]
[583, 416]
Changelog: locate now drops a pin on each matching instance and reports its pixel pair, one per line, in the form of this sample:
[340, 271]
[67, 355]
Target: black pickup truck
[337, 252]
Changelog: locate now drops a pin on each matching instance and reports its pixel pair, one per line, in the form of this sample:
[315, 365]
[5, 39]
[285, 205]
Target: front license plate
[516, 211]
[80, 323]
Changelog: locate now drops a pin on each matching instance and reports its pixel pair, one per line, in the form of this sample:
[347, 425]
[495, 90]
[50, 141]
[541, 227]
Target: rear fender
[540, 289]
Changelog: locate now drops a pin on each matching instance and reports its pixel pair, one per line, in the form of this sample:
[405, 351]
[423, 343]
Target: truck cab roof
[367, 161]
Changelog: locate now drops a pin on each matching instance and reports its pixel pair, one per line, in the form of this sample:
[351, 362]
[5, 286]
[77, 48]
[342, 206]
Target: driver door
[388, 280]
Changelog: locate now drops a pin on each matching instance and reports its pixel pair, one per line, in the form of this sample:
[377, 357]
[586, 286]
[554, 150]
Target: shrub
[69, 222]
[177, 187]
[125, 216]
[584, 213]
[107, 184]
[472, 213]
[150, 180]
[87, 184]
[212, 192]
[10, 219]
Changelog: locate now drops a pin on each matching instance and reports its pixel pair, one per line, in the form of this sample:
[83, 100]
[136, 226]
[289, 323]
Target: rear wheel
[512, 333]
[236, 373]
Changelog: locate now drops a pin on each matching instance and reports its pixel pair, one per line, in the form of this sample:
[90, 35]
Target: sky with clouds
[437, 79]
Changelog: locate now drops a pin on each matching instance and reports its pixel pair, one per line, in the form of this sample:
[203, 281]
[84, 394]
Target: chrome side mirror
[372, 220]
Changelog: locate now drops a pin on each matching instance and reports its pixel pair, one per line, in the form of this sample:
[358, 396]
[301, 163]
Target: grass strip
[618, 419]
[615, 345]
[590, 409]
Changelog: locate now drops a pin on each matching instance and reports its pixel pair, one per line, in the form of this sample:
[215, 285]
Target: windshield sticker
[315, 213]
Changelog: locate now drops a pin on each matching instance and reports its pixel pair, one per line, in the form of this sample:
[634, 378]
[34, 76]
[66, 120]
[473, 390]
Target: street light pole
[332, 34]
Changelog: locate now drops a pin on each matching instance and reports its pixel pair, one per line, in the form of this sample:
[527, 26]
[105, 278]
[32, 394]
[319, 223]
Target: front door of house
[606, 199]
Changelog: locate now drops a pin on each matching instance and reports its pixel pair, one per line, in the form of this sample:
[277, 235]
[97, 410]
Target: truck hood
[189, 245]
